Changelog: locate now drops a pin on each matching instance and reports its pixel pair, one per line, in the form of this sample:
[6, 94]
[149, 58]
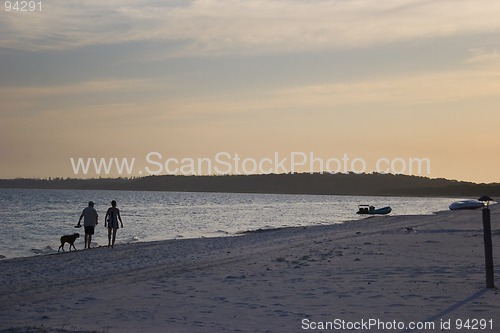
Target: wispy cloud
[237, 26]
[482, 57]
[88, 87]
[39, 99]
[414, 90]
[479, 80]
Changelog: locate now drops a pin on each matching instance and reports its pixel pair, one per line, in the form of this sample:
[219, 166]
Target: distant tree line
[302, 183]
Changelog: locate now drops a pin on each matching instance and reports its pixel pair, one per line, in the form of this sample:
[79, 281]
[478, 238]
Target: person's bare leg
[114, 237]
[109, 237]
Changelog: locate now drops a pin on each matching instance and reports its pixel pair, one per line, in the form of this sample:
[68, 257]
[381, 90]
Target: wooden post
[488, 248]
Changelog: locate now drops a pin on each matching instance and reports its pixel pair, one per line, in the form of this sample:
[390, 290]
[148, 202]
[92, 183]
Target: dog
[68, 239]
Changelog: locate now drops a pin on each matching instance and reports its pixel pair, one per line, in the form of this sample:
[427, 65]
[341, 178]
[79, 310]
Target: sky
[253, 86]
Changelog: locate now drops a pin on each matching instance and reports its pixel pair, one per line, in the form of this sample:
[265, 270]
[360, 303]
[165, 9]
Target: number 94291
[23, 6]
[474, 324]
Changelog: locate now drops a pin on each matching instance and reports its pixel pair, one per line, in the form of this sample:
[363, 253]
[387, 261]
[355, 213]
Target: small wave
[133, 240]
[260, 230]
[219, 231]
[46, 250]
[2, 257]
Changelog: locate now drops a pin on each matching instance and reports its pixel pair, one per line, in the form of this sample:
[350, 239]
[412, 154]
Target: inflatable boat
[367, 209]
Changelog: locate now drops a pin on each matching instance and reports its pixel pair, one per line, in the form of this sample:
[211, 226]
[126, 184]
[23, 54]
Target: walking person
[89, 216]
[111, 221]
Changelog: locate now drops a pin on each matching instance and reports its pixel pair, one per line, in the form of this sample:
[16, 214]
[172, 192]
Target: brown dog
[68, 239]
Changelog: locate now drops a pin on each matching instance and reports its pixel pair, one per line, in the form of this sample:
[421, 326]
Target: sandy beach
[392, 271]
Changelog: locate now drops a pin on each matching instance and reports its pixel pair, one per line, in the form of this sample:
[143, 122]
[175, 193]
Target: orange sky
[395, 79]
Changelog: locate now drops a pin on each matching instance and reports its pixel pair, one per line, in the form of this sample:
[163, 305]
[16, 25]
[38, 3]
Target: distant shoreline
[300, 183]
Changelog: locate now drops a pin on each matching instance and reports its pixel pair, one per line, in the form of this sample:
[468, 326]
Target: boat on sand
[466, 204]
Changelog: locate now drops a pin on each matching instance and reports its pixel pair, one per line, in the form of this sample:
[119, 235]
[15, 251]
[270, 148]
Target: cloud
[246, 27]
[481, 57]
[87, 87]
[21, 101]
[414, 90]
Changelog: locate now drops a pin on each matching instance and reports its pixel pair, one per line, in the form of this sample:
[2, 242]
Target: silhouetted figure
[111, 221]
[89, 216]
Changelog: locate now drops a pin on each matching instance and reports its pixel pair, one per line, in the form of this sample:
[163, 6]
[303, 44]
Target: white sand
[263, 282]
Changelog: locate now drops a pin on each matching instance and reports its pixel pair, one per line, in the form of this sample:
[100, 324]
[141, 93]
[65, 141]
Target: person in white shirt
[89, 216]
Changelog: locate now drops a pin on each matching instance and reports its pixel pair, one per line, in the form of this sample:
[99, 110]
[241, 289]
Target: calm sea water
[32, 221]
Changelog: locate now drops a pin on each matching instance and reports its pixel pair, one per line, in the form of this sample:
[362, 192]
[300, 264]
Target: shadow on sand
[454, 307]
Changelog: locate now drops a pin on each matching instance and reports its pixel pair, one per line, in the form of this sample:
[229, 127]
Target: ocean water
[32, 221]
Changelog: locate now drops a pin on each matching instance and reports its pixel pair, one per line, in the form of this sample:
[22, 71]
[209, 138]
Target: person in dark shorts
[111, 221]
[89, 216]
